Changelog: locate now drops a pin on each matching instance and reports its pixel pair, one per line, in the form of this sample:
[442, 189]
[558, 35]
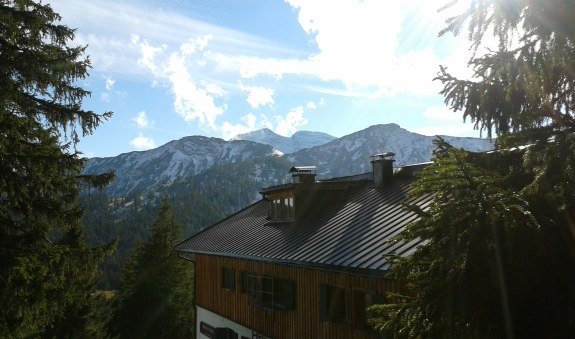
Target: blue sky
[174, 68]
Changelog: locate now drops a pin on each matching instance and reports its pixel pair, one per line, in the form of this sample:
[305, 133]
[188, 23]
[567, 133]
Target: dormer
[282, 205]
[283, 198]
[305, 197]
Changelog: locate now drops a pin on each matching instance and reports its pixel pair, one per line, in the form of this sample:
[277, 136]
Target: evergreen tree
[497, 257]
[45, 269]
[156, 297]
[85, 315]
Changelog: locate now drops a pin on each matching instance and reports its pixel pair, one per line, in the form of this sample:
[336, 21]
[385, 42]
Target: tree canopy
[157, 292]
[45, 270]
[497, 253]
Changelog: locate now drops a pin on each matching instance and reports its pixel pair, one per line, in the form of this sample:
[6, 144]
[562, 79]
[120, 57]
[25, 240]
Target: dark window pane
[252, 286]
[282, 209]
[287, 294]
[243, 281]
[361, 302]
[332, 303]
[229, 278]
[359, 310]
[267, 291]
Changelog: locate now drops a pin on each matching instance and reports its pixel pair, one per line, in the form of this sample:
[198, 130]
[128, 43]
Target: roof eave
[305, 264]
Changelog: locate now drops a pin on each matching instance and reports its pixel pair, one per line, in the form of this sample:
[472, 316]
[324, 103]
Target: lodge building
[307, 259]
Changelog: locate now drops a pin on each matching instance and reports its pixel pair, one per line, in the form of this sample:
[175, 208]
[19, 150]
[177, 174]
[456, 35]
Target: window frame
[244, 281]
[228, 278]
[333, 304]
[282, 209]
[271, 292]
[361, 301]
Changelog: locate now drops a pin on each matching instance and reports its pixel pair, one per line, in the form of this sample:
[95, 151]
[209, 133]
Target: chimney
[382, 168]
[303, 174]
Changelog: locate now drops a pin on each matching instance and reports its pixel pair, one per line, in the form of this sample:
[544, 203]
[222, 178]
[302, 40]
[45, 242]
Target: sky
[175, 68]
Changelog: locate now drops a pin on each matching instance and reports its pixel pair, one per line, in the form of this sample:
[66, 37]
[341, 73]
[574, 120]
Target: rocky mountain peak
[299, 140]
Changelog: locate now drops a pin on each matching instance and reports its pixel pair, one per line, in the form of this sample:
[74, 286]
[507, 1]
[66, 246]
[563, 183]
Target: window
[267, 291]
[332, 303]
[244, 281]
[253, 286]
[229, 278]
[272, 293]
[226, 333]
[284, 294]
[282, 209]
[361, 301]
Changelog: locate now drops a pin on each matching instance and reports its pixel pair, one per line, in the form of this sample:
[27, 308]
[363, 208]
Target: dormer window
[282, 197]
[282, 209]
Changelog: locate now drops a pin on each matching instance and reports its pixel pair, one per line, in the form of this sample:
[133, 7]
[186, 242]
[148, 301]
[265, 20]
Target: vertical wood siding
[302, 322]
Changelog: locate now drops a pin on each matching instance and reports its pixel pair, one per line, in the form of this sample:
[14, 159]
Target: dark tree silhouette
[497, 257]
[46, 270]
[156, 297]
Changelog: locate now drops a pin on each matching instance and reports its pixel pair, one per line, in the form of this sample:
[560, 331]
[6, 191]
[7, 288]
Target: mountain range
[206, 179]
[299, 140]
[180, 160]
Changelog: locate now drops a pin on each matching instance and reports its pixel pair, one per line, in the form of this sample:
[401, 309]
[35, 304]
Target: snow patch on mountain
[181, 159]
[178, 159]
[299, 140]
[350, 154]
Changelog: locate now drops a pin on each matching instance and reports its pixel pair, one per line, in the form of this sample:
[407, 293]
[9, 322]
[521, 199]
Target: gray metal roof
[351, 236]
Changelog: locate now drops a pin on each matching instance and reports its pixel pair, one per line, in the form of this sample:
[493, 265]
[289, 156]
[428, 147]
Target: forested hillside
[196, 203]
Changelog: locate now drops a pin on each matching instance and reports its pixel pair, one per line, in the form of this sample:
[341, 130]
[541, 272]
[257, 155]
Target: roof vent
[382, 168]
[302, 174]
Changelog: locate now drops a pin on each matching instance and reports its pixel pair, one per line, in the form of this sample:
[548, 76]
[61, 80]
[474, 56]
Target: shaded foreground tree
[498, 251]
[156, 297]
[46, 270]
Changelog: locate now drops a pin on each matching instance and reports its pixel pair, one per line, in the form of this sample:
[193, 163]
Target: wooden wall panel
[304, 321]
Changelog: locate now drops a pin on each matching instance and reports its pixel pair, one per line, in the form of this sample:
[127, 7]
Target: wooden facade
[305, 320]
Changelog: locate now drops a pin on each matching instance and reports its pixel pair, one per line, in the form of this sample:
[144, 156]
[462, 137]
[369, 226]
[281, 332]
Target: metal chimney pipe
[382, 168]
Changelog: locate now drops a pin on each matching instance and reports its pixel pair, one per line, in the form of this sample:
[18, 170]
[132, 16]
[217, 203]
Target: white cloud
[265, 123]
[112, 47]
[110, 84]
[414, 74]
[356, 39]
[194, 99]
[442, 113]
[231, 130]
[284, 125]
[258, 96]
[363, 48]
[215, 90]
[358, 45]
[134, 38]
[142, 120]
[142, 143]
[451, 130]
[342, 92]
[148, 55]
[289, 124]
